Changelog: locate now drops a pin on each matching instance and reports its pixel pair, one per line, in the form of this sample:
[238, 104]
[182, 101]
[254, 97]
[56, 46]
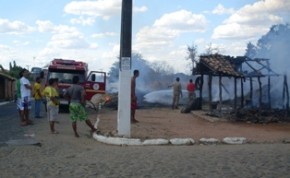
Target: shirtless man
[133, 96]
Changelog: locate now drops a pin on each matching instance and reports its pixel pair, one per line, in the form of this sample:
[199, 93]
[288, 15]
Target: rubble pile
[259, 115]
[111, 101]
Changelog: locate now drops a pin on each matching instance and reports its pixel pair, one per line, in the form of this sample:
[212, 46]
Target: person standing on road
[190, 89]
[18, 97]
[25, 92]
[133, 96]
[76, 96]
[37, 97]
[52, 103]
[177, 93]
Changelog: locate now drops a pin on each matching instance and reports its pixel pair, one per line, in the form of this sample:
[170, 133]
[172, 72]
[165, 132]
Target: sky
[34, 32]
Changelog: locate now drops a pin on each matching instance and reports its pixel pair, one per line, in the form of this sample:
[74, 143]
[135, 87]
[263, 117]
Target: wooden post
[209, 92]
[269, 84]
[220, 94]
[235, 101]
[242, 93]
[200, 93]
[269, 92]
[251, 91]
[260, 92]
[286, 96]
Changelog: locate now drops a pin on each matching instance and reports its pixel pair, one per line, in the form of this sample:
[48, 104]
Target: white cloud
[100, 8]
[234, 48]
[46, 55]
[14, 27]
[94, 45]
[20, 43]
[44, 26]
[63, 36]
[4, 47]
[97, 57]
[253, 20]
[83, 21]
[167, 28]
[103, 35]
[182, 21]
[155, 37]
[157, 42]
[237, 48]
[105, 58]
[140, 9]
[220, 9]
[68, 41]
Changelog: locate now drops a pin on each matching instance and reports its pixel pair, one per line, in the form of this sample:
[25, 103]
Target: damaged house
[242, 71]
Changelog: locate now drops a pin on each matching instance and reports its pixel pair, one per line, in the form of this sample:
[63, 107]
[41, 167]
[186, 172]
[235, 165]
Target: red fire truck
[94, 82]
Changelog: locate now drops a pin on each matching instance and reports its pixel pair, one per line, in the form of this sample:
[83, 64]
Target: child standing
[37, 97]
[52, 104]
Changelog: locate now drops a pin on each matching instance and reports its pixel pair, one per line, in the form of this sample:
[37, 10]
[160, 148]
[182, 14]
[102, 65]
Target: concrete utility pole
[124, 99]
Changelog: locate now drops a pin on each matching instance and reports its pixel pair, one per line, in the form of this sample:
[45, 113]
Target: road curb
[161, 141]
[122, 141]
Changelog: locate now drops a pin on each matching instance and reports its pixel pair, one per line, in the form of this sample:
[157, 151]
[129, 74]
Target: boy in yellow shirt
[52, 103]
[37, 98]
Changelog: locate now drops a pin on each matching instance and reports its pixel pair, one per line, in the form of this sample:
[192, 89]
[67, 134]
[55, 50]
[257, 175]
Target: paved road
[104, 161]
[9, 123]
[10, 128]
[62, 156]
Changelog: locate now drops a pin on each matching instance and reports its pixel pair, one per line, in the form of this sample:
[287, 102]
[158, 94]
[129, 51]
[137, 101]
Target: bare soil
[167, 123]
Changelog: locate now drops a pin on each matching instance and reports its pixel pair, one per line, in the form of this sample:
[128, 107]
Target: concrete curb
[117, 140]
[182, 141]
[234, 140]
[209, 141]
[160, 141]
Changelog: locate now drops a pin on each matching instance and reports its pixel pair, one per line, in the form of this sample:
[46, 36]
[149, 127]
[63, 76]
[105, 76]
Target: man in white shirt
[25, 89]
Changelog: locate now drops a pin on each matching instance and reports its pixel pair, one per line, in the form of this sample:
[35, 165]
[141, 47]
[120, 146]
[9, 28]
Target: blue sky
[34, 32]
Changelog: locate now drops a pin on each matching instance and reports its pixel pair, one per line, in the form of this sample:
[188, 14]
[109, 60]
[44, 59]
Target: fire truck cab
[64, 70]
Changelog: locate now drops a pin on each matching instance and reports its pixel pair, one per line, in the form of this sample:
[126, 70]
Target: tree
[161, 68]
[14, 70]
[210, 49]
[153, 76]
[274, 45]
[1, 67]
[137, 63]
[192, 53]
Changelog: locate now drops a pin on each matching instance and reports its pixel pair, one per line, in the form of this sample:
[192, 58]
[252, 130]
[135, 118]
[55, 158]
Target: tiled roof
[219, 64]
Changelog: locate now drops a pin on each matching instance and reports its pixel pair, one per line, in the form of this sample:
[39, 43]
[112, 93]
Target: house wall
[2, 88]
[7, 88]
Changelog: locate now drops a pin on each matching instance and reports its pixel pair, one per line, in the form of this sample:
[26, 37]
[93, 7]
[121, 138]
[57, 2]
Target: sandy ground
[62, 155]
[167, 123]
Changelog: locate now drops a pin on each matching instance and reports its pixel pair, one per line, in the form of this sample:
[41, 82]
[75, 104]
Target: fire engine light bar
[68, 64]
